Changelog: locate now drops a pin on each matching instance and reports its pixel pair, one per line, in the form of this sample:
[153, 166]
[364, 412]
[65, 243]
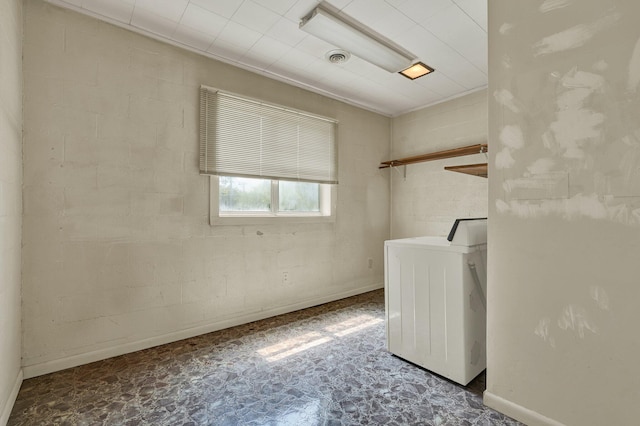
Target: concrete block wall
[430, 198]
[10, 202]
[118, 251]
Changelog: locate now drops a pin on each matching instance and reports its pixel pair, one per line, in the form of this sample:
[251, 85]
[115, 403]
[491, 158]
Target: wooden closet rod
[450, 153]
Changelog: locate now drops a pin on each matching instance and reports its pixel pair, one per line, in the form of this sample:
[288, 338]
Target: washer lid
[468, 232]
[432, 243]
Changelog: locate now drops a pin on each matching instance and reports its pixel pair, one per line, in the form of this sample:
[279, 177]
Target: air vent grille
[338, 56]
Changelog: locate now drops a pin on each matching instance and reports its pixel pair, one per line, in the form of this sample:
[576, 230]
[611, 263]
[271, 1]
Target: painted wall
[564, 211]
[10, 201]
[118, 251]
[431, 198]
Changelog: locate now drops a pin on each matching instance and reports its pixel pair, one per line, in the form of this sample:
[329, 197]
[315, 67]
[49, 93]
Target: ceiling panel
[228, 51]
[255, 16]
[477, 10]
[421, 10]
[287, 32]
[192, 37]
[300, 9]
[238, 35]
[379, 15]
[468, 40]
[441, 56]
[197, 18]
[269, 48]
[295, 60]
[278, 6]
[224, 8]
[264, 36]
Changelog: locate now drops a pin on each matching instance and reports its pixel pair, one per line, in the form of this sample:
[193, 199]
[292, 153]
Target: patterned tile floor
[325, 365]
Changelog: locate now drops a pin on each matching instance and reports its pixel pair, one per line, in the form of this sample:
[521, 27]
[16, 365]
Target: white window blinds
[249, 138]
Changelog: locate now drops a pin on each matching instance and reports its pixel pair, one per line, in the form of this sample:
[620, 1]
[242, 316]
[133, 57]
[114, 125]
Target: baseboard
[47, 367]
[8, 404]
[518, 412]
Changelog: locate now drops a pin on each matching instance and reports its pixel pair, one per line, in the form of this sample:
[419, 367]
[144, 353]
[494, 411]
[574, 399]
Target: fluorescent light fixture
[337, 31]
[416, 70]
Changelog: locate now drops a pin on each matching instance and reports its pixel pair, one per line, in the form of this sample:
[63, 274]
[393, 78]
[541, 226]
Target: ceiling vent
[338, 56]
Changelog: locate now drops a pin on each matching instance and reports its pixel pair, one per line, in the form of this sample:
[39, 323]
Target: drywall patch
[504, 160]
[600, 66]
[578, 206]
[505, 28]
[582, 156]
[502, 206]
[539, 186]
[583, 80]
[575, 124]
[506, 61]
[574, 318]
[542, 331]
[541, 166]
[573, 127]
[571, 153]
[574, 37]
[506, 99]
[634, 69]
[550, 5]
[600, 296]
[511, 137]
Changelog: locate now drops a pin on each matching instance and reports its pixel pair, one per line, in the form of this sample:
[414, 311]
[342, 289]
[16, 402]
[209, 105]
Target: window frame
[327, 213]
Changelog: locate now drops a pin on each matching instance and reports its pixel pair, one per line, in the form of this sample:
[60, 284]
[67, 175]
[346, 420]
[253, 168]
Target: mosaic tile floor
[321, 366]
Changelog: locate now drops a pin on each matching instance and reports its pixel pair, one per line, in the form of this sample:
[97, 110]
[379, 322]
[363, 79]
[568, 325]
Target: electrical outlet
[370, 263]
[285, 277]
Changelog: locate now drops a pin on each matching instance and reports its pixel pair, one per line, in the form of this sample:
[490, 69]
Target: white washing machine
[435, 291]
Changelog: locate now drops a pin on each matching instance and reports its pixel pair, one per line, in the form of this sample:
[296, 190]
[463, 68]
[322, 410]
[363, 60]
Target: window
[238, 196]
[244, 195]
[266, 160]
[247, 201]
[299, 197]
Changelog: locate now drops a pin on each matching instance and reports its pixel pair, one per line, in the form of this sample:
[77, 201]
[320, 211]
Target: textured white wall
[118, 252]
[564, 211]
[10, 201]
[431, 198]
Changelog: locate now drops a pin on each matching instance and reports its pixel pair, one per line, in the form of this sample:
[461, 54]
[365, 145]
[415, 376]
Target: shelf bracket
[404, 171]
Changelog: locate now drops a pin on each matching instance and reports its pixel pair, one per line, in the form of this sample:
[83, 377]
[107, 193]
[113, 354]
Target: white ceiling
[263, 36]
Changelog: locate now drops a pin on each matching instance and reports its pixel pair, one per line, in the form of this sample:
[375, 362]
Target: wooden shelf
[450, 153]
[470, 169]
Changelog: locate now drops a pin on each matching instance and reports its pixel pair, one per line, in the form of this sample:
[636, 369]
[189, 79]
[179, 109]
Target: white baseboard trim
[518, 412]
[47, 367]
[8, 404]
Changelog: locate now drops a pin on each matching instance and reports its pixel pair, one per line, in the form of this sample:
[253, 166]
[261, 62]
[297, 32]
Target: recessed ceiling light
[416, 70]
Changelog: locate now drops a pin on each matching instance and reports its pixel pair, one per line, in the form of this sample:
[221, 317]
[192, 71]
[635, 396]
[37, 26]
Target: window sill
[268, 220]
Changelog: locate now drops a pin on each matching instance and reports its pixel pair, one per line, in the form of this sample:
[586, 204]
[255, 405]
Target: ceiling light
[416, 70]
[359, 41]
